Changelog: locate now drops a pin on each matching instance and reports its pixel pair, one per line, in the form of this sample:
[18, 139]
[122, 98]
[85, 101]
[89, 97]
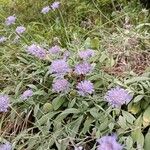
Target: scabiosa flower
[2, 39]
[45, 10]
[86, 54]
[27, 94]
[36, 51]
[55, 5]
[118, 96]
[20, 29]
[83, 68]
[4, 103]
[108, 143]
[55, 49]
[85, 87]
[59, 67]
[10, 20]
[6, 146]
[60, 85]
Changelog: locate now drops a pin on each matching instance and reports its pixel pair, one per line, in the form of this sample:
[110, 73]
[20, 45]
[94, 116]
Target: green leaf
[95, 43]
[87, 124]
[103, 57]
[18, 88]
[129, 142]
[75, 126]
[146, 115]
[138, 98]
[57, 102]
[65, 113]
[129, 118]
[138, 137]
[94, 113]
[44, 118]
[147, 142]
[136, 79]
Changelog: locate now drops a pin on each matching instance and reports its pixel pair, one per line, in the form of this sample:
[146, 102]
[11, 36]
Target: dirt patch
[134, 61]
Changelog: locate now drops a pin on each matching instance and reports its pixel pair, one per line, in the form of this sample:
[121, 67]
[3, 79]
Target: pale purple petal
[55, 49]
[55, 5]
[109, 143]
[4, 103]
[36, 51]
[27, 94]
[85, 87]
[60, 85]
[83, 68]
[20, 29]
[10, 20]
[6, 146]
[2, 39]
[45, 10]
[86, 54]
[118, 96]
[59, 67]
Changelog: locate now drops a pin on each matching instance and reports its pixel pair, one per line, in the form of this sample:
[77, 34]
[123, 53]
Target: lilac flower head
[20, 29]
[59, 67]
[85, 87]
[108, 143]
[2, 39]
[86, 54]
[55, 49]
[26, 94]
[118, 96]
[4, 103]
[55, 5]
[45, 10]
[10, 20]
[60, 85]
[83, 68]
[36, 51]
[6, 146]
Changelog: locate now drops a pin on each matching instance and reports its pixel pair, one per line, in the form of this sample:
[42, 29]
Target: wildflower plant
[58, 62]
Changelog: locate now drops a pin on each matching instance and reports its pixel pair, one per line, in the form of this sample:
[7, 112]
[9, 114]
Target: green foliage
[61, 121]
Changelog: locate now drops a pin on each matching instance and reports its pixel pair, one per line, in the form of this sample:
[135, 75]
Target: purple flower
[45, 10]
[60, 85]
[118, 96]
[55, 49]
[55, 5]
[59, 67]
[85, 88]
[36, 51]
[83, 68]
[108, 143]
[20, 29]
[2, 39]
[6, 146]
[86, 54]
[26, 94]
[10, 20]
[4, 103]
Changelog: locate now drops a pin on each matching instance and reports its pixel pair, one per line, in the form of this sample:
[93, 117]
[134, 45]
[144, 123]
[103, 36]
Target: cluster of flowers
[19, 29]
[60, 68]
[53, 6]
